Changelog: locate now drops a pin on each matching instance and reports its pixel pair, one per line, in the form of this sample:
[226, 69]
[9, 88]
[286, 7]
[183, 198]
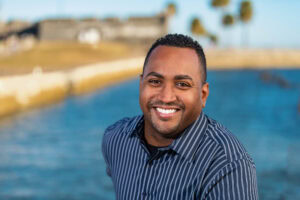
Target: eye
[183, 85]
[154, 82]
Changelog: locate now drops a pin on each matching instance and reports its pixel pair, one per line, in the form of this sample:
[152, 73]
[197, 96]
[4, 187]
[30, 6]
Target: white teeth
[165, 111]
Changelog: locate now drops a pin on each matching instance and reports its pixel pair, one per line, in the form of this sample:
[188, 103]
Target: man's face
[171, 91]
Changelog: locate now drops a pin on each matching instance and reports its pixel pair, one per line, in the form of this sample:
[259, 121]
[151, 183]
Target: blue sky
[275, 22]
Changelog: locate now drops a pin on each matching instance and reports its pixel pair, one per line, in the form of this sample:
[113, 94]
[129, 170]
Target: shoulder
[227, 142]
[121, 128]
[116, 135]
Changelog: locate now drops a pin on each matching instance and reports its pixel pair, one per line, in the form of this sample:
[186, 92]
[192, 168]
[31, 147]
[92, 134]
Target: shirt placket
[148, 178]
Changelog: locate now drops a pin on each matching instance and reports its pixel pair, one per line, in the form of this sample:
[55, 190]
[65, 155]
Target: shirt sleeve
[105, 156]
[235, 181]
[108, 142]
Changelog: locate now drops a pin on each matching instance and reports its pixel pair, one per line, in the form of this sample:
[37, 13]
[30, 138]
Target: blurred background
[68, 69]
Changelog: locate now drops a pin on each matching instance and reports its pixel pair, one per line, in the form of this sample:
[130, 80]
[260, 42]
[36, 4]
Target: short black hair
[183, 41]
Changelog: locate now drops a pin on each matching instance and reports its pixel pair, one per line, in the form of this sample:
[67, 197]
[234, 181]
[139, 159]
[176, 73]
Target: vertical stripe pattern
[205, 162]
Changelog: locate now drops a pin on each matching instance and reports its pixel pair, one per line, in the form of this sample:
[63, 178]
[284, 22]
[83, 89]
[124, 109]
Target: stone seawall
[21, 92]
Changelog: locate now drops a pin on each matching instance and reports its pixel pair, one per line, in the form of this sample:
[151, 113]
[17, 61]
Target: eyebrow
[177, 77]
[181, 77]
[155, 74]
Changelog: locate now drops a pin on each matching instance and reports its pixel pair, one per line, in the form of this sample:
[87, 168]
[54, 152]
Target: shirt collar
[136, 128]
[187, 144]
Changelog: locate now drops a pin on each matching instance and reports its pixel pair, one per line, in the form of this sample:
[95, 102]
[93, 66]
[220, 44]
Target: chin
[168, 132]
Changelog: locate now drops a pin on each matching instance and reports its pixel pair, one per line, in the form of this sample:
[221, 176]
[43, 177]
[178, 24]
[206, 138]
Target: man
[174, 151]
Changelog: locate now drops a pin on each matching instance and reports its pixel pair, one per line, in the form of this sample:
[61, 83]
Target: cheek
[192, 102]
[142, 100]
[145, 96]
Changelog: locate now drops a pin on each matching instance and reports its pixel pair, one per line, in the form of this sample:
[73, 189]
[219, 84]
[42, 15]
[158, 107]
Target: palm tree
[228, 21]
[171, 9]
[221, 5]
[197, 28]
[213, 38]
[246, 11]
[245, 15]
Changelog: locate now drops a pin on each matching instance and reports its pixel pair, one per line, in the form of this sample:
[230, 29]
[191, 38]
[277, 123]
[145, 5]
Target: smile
[166, 111]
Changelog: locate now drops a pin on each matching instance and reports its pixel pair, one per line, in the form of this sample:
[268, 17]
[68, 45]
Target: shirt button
[144, 194]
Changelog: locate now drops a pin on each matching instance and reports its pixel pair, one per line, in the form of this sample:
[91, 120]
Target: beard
[161, 125]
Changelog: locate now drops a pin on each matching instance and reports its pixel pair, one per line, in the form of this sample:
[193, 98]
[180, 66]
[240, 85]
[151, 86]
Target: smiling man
[174, 151]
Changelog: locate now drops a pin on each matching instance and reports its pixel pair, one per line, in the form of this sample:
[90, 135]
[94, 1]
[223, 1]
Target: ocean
[55, 152]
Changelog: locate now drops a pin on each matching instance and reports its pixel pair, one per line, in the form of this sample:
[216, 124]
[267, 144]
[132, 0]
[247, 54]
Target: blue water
[55, 152]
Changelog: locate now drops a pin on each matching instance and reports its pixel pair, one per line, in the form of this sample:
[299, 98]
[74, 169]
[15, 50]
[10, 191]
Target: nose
[167, 94]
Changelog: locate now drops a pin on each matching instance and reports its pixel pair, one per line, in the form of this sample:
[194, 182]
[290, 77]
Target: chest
[168, 176]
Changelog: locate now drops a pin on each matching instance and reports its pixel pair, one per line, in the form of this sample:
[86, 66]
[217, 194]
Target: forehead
[170, 60]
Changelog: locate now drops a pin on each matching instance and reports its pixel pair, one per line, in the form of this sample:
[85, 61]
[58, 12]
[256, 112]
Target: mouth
[166, 113]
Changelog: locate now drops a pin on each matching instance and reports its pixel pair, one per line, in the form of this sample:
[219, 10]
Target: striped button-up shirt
[205, 162]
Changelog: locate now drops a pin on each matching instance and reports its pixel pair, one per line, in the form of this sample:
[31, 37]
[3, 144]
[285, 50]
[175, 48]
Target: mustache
[160, 103]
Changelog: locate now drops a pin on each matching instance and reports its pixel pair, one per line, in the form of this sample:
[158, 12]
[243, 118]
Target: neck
[156, 139]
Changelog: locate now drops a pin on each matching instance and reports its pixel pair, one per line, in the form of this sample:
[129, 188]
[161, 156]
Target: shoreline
[22, 92]
[224, 59]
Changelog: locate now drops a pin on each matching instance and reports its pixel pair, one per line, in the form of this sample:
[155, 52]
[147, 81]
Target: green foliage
[220, 3]
[171, 9]
[197, 28]
[228, 20]
[246, 11]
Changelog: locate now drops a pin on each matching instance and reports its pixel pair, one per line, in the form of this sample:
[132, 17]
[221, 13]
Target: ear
[141, 80]
[204, 93]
